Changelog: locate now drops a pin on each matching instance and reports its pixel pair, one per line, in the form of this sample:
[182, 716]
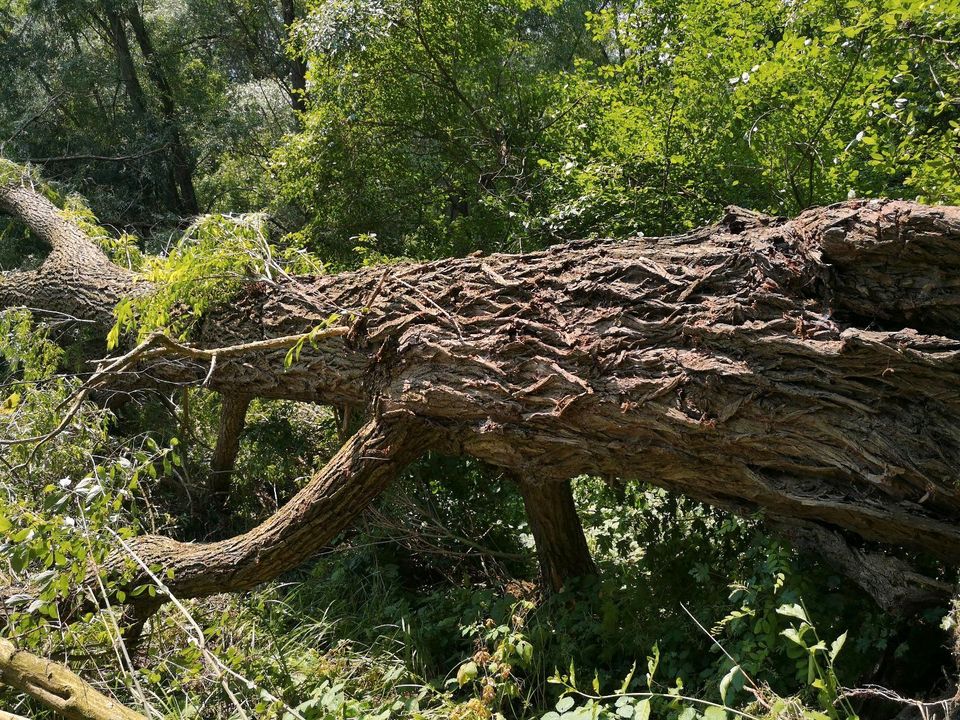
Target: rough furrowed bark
[809, 369]
[561, 546]
[750, 365]
[76, 278]
[54, 685]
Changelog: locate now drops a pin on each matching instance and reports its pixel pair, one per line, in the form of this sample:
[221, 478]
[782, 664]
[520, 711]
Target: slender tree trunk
[54, 685]
[561, 546]
[233, 414]
[298, 68]
[180, 153]
[116, 30]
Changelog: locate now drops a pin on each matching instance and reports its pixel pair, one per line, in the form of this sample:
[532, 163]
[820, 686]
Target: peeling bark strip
[807, 368]
[54, 685]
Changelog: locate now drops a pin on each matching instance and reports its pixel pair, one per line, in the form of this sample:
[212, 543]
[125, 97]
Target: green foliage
[122, 250]
[436, 128]
[208, 265]
[443, 128]
[61, 508]
[669, 700]
[422, 120]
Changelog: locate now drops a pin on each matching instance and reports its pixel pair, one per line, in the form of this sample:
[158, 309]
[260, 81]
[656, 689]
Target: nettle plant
[645, 697]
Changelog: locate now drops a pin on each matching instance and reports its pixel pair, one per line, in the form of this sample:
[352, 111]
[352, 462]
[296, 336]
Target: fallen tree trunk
[733, 364]
[808, 369]
[54, 685]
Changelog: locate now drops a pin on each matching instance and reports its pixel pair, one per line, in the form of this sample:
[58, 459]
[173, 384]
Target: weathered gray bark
[892, 583]
[807, 369]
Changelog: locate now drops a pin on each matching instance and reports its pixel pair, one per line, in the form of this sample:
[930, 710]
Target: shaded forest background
[195, 138]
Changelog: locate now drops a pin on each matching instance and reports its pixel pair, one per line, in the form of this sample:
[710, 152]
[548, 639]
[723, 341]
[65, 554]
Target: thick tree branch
[359, 472]
[804, 368]
[54, 685]
[892, 583]
[76, 277]
[10, 716]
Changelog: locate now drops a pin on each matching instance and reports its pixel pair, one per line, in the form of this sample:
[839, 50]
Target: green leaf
[626, 681]
[653, 660]
[466, 673]
[525, 651]
[836, 646]
[564, 704]
[643, 710]
[792, 635]
[727, 679]
[113, 337]
[794, 611]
